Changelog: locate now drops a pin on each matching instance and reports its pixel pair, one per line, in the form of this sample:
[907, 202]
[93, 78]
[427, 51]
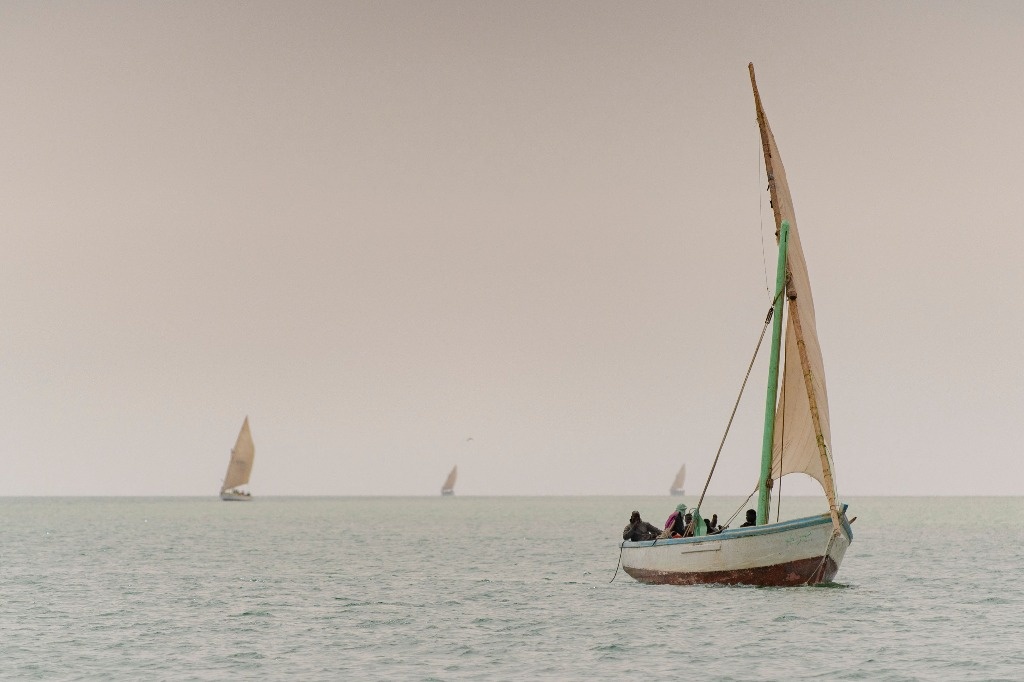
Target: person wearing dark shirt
[751, 519]
[688, 526]
[638, 530]
[675, 525]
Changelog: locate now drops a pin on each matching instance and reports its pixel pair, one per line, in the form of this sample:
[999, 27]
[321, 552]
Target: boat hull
[798, 552]
[235, 497]
[447, 493]
[676, 492]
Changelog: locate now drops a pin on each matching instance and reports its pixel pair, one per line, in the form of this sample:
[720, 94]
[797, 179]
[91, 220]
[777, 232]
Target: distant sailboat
[239, 467]
[677, 485]
[448, 488]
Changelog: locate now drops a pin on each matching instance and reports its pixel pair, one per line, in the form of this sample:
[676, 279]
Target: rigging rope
[767, 321]
[742, 505]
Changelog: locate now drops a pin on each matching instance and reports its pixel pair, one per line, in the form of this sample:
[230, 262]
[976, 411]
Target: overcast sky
[379, 229]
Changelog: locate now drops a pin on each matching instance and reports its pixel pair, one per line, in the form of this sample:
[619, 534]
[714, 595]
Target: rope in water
[621, 544]
[821, 567]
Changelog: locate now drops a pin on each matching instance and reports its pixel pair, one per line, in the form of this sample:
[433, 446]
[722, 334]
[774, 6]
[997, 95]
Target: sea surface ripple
[488, 588]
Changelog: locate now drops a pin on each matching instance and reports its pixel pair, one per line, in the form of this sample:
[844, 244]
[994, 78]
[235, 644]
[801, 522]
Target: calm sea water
[488, 588]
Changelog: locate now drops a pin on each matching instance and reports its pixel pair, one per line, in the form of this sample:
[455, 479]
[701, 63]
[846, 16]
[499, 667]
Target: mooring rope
[821, 566]
[742, 505]
[621, 545]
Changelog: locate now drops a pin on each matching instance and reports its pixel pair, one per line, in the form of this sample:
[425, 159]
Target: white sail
[795, 448]
[680, 479]
[240, 464]
[449, 483]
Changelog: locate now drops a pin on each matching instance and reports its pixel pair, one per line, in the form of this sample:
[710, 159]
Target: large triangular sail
[240, 464]
[802, 437]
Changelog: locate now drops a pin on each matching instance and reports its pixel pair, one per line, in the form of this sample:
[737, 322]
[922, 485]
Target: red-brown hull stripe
[801, 572]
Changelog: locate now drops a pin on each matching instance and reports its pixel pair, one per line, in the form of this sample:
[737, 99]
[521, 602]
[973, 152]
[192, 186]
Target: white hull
[229, 496]
[797, 552]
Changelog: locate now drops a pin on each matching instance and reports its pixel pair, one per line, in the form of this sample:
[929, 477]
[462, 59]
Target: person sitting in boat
[688, 526]
[714, 528]
[675, 524]
[751, 519]
[638, 530]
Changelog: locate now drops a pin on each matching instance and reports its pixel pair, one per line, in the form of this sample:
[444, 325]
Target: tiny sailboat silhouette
[239, 467]
[448, 488]
[677, 484]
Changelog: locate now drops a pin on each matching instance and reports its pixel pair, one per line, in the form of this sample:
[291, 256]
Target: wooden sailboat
[448, 487]
[796, 439]
[677, 485]
[239, 467]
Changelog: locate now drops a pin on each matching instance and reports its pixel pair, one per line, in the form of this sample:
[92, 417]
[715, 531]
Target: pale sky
[379, 229]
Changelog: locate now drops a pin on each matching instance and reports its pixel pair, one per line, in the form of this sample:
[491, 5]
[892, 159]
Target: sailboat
[448, 487]
[677, 485]
[239, 467]
[796, 439]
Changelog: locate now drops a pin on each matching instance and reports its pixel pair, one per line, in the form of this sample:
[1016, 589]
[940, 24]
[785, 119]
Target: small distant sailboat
[239, 467]
[677, 485]
[448, 488]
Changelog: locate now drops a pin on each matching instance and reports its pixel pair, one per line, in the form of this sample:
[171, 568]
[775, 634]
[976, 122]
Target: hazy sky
[381, 228]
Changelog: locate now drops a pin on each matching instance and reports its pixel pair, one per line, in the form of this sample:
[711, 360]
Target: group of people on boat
[679, 524]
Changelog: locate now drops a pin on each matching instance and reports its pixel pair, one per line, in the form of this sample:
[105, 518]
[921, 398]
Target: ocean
[471, 588]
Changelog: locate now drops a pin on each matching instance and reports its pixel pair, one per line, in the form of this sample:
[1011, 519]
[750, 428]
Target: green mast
[773, 380]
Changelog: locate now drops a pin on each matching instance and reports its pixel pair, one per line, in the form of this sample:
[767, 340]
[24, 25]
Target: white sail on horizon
[677, 484]
[240, 464]
[449, 483]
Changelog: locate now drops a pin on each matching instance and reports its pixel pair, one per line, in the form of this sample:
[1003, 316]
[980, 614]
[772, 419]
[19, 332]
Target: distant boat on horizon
[676, 489]
[239, 467]
[448, 487]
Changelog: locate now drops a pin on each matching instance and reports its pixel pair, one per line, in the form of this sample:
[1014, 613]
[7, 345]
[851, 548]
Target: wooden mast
[772, 191]
[805, 365]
